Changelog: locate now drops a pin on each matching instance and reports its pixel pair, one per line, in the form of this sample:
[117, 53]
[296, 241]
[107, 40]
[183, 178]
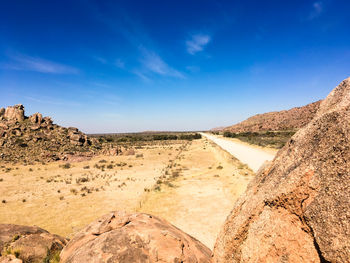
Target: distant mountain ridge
[291, 119]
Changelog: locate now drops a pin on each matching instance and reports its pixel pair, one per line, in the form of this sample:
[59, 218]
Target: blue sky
[119, 66]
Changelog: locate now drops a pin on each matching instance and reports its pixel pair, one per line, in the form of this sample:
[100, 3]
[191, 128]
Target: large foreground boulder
[297, 209]
[121, 237]
[28, 244]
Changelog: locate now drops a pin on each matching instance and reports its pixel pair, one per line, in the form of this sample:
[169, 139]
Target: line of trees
[150, 137]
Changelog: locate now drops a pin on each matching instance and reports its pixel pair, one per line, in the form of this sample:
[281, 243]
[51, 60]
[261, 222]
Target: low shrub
[66, 166]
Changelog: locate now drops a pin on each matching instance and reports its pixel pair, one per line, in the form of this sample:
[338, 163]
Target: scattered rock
[28, 244]
[121, 237]
[297, 209]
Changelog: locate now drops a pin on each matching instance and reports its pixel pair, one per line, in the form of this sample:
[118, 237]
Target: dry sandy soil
[200, 198]
[205, 181]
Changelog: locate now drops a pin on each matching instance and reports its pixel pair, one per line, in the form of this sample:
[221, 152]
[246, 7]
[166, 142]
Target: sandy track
[250, 155]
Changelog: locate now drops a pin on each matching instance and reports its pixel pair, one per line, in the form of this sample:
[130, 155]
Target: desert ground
[181, 181]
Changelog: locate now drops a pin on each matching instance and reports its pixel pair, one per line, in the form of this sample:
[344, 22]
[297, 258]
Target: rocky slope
[297, 207]
[294, 118]
[36, 138]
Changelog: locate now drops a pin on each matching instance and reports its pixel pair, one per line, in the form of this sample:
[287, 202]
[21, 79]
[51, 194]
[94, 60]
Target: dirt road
[247, 154]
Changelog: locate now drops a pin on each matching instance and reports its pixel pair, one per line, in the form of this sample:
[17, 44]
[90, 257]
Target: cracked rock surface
[297, 209]
[122, 237]
[28, 244]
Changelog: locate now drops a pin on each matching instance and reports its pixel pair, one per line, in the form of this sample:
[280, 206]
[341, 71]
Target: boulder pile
[36, 138]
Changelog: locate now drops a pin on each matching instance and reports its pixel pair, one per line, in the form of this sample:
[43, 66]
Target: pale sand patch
[200, 198]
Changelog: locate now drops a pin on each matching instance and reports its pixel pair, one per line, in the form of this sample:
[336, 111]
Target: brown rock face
[14, 113]
[36, 118]
[297, 209]
[28, 244]
[76, 137]
[120, 237]
[292, 119]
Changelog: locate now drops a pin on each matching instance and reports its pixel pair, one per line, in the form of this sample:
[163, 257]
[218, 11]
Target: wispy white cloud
[317, 9]
[147, 55]
[101, 85]
[152, 62]
[28, 63]
[193, 69]
[52, 101]
[120, 63]
[197, 43]
[141, 75]
[100, 59]
[111, 99]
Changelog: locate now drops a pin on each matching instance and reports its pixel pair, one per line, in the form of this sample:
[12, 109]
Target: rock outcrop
[120, 237]
[36, 138]
[76, 137]
[36, 118]
[297, 209]
[292, 119]
[2, 112]
[14, 113]
[28, 244]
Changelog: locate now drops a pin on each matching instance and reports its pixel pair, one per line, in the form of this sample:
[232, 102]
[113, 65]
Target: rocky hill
[297, 207]
[292, 119]
[36, 138]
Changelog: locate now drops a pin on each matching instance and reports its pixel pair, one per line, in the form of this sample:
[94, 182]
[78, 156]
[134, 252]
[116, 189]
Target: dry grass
[63, 198]
[176, 180]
